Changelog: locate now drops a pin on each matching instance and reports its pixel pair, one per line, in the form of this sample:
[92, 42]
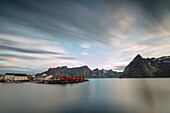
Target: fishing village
[43, 79]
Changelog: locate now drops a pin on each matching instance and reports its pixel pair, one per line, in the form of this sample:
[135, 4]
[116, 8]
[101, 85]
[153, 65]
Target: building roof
[16, 74]
[63, 78]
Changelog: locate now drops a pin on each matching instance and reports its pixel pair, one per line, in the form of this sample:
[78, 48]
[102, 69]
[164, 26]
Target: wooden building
[63, 78]
[81, 78]
[15, 77]
[71, 78]
[77, 79]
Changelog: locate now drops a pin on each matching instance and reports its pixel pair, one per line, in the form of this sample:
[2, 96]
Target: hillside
[81, 71]
[147, 67]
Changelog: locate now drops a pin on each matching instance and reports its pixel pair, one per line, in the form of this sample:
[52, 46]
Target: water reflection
[95, 96]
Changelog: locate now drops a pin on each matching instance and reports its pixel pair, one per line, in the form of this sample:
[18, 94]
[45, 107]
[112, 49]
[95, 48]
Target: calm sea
[95, 96]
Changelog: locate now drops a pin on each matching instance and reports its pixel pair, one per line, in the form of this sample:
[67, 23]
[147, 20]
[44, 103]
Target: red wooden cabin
[71, 78]
[31, 78]
[77, 78]
[81, 78]
[63, 78]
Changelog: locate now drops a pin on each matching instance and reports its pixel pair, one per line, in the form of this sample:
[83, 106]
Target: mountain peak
[85, 66]
[139, 68]
[138, 57]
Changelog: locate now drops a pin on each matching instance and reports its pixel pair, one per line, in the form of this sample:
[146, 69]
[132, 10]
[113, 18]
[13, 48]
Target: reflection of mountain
[150, 67]
[82, 71]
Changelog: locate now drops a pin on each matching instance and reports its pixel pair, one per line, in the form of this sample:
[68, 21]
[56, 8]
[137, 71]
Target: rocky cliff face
[81, 71]
[147, 68]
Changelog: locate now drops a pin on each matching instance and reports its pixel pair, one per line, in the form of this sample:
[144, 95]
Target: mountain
[81, 71]
[106, 73]
[64, 70]
[99, 73]
[147, 67]
[112, 74]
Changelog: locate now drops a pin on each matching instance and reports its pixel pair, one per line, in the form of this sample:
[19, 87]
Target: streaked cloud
[21, 56]
[84, 53]
[19, 49]
[85, 46]
[5, 65]
[126, 22]
[134, 48]
[103, 34]
[11, 59]
[153, 53]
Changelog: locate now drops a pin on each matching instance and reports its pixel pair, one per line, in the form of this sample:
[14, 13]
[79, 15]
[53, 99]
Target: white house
[44, 75]
[1, 78]
[44, 78]
[15, 77]
[48, 77]
[9, 78]
[55, 78]
[33, 76]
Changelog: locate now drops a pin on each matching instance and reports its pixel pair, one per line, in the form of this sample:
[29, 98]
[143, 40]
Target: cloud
[56, 21]
[10, 59]
[126, 22]
[84, 53]
[153, 53]
[21, 56]
[67, 58]
[5, 47]
[32, 54]
[5, 65]
[36, 32]
[167, 55]
[58, 62]
[134, 48]
[154, 9]
[85, 46]
[156, 35]
[4, 68]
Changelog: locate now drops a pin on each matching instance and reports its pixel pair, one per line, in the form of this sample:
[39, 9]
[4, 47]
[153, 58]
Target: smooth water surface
[95, 96]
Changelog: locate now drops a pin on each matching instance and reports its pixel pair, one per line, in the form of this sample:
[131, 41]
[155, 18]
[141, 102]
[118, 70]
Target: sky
[107, 34]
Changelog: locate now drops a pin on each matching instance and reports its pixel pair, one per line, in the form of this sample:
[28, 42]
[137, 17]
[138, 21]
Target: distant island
[84, 71]
[138, 68]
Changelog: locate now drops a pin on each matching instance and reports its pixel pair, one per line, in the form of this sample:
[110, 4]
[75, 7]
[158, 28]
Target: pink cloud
[134, 48]
[154, 53]
[5, 65]
[85, 46]
[12, 59]
[84, 53]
